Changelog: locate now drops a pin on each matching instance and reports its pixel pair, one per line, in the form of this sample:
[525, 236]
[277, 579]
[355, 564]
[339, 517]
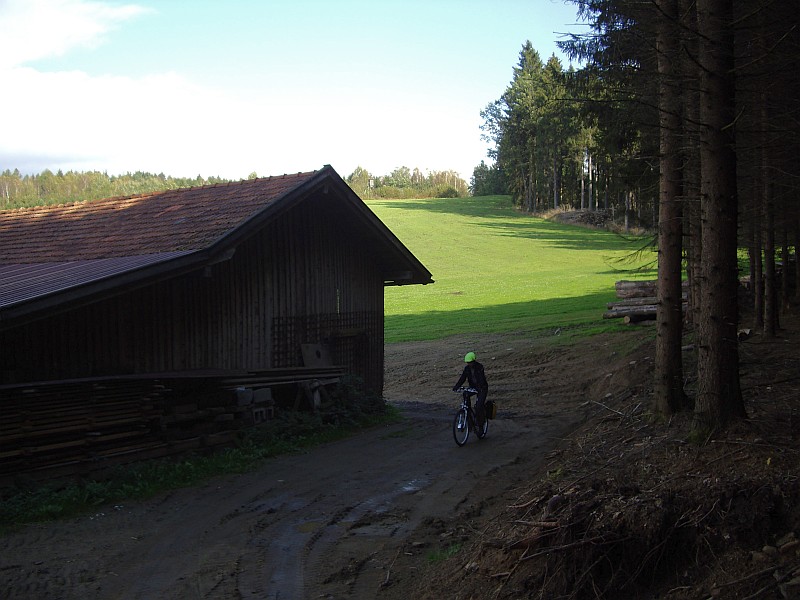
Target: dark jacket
[474, 374]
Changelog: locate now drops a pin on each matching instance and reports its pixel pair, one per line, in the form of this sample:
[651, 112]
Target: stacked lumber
[637, 301]
[59, 425]
[84, 426]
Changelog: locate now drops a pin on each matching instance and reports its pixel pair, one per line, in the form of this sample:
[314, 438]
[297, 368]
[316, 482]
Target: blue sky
[228, 88]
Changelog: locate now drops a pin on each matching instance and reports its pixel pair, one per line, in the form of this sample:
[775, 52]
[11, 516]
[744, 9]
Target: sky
[225, 89]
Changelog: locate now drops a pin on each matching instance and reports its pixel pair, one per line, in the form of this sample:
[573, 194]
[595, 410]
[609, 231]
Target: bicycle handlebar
[461, 390]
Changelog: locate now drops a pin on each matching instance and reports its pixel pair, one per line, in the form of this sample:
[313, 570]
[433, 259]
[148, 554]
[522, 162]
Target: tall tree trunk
[669, 396]
[694, 258]
[757, 273]
[785, 270]
[797, 258]
[719, 394]
[627, 210]
[691, 170]
[770, 283]
[583, 188]
[556, 180]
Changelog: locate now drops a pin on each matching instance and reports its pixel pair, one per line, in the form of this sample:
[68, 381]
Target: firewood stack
[637, 302]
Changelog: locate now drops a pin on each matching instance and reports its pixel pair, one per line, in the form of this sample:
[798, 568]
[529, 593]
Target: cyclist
[475, 375]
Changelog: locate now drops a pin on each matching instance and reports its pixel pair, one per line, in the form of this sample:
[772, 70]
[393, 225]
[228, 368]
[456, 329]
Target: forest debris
[542, 524]
[593, 218]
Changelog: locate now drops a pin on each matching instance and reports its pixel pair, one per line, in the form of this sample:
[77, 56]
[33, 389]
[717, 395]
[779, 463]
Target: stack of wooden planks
[83, 426]
[59, 425]
[637, 301]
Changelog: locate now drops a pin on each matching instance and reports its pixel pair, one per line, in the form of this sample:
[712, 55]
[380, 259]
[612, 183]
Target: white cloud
[118, 123]
[36, 29]
[165, 122]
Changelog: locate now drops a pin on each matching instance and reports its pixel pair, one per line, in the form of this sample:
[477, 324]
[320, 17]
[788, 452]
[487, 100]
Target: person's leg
[480, 413]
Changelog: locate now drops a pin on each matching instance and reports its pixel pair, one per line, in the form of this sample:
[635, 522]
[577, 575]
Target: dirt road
[324, 523]
[332, 522]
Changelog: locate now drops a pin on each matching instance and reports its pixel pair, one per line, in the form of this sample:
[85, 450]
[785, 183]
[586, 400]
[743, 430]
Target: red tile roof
[160, 222]
[54, 255]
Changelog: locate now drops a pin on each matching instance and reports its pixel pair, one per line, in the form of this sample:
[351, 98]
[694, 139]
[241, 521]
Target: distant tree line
[684, 115]
[17, 190]
[405, 183]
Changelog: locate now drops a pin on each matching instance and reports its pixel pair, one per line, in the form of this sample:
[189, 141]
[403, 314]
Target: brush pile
[591, 218]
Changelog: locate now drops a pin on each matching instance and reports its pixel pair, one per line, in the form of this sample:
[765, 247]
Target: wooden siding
[302, 279]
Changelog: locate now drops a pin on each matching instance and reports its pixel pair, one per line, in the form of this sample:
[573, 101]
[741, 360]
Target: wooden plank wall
[299, 275]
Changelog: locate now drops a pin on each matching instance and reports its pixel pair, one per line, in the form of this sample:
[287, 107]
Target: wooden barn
[108, 307]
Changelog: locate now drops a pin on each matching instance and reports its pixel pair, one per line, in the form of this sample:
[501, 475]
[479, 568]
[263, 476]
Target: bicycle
[465, 419]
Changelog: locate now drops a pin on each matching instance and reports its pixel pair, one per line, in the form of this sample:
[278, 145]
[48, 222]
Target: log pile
[637, 302]
[87, 426]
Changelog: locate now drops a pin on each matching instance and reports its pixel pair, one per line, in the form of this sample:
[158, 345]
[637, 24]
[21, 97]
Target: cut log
[634, 311]
[625, 311]
[638, 289]
[633, 319]
[635, 289]
[636, 301]
[642, 301]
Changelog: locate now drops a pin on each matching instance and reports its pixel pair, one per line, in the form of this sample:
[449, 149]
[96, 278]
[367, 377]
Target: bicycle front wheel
[461, 427]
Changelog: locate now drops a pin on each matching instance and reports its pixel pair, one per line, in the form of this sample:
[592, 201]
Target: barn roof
[52, 255]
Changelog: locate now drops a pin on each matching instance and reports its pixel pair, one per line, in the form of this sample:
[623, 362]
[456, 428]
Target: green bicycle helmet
[469, 357]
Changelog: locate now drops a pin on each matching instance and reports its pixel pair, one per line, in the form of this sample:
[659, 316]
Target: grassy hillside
[499, 270]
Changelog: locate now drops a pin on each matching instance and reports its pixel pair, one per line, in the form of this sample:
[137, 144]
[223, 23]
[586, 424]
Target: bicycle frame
[466, 402]
[470, 412]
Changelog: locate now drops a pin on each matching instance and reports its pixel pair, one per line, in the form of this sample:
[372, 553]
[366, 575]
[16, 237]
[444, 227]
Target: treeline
[684, 114]
[17, 190]
[405, 183]
[540, 145]
[560, 140]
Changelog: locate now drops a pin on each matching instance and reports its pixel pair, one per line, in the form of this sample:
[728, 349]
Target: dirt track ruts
[327, 522]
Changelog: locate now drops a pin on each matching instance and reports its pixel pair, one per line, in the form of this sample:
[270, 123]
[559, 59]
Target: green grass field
[499, 270]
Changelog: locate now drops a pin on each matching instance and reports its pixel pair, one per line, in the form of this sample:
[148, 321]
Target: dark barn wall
[299, 280]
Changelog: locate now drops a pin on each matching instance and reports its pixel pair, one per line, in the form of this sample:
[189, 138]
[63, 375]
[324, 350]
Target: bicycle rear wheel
[461, 427]
[482, 431]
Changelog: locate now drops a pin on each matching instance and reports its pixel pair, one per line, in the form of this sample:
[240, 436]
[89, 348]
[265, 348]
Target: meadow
[496, 269]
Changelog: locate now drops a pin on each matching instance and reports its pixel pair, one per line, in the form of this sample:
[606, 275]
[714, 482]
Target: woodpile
[86, 426]
[58, 426]
[637, 301]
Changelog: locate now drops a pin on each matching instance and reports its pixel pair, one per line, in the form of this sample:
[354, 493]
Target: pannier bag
[491, 409]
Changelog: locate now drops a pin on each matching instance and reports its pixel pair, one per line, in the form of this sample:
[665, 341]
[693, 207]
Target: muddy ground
[576, 492]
